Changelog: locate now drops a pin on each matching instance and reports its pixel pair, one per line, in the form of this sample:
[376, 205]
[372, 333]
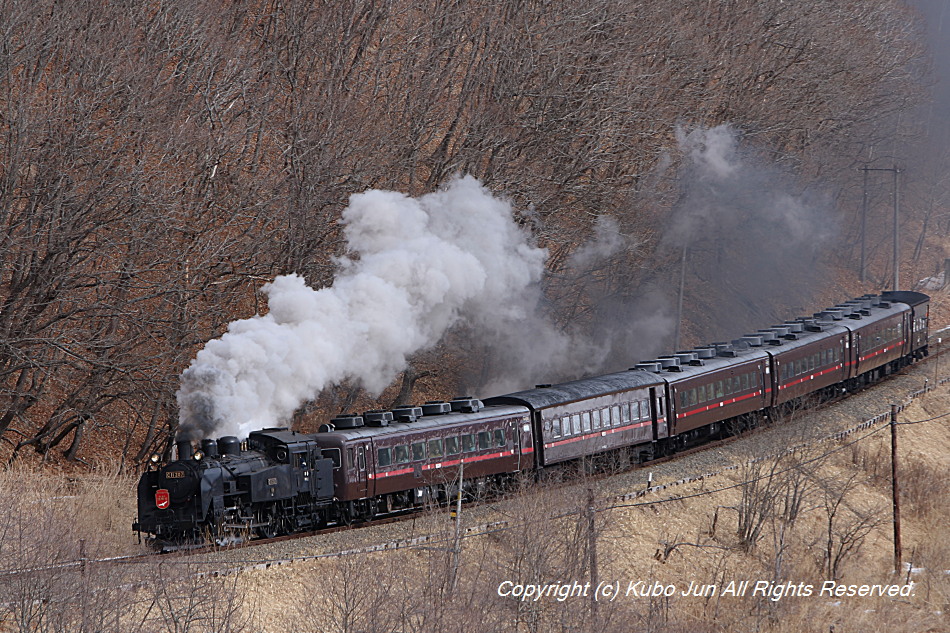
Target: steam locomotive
[359, 467]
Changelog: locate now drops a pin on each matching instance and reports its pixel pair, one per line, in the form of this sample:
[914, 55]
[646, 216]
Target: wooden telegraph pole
[895, 492]
[592, 552]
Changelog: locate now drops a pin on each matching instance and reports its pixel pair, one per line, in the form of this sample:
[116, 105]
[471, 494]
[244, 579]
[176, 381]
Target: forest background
[161, 161]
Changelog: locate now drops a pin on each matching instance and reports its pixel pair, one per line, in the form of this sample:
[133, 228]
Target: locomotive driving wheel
[268, 523]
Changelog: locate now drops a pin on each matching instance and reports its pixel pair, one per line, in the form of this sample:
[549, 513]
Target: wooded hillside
[160, 161]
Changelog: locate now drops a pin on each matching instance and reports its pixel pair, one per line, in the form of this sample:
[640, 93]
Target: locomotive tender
[362, 466]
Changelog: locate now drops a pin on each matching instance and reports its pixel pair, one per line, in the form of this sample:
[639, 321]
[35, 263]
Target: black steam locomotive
[362, 466]
[276, 482]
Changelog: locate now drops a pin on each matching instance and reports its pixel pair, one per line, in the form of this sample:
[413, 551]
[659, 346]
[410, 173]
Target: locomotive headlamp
[198, 455]
[154, 458]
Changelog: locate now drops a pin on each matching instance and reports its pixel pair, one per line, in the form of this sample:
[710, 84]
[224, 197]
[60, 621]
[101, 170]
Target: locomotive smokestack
[185, 451]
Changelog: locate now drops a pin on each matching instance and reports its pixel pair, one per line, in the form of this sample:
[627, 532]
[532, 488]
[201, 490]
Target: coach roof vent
[669, 363]
[859, 308]
[685, 358]
[769, 337]
[466, 404]
[846, 310]
[378, 418]
[795, 327]
[348, 421]
[752, 340]
[648, 366]
[436, 407]
[407, 414]
[726, 350]
[705, 353]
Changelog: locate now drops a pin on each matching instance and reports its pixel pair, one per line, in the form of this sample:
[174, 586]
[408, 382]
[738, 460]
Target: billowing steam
[415, 267]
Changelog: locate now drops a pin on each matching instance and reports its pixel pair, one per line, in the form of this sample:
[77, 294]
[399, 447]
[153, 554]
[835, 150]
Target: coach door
[526, 442]
[359, 470]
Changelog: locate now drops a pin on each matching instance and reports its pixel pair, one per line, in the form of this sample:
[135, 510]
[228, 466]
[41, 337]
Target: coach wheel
[347, 513]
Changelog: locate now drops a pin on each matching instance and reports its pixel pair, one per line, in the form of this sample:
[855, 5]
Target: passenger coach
[595, 415]
[390, 460]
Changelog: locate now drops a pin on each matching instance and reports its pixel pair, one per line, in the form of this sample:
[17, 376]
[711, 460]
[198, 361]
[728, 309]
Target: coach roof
[564, 393]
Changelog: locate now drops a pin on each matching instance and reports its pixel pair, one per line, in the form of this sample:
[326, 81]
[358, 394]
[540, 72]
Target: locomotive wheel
[269, 527]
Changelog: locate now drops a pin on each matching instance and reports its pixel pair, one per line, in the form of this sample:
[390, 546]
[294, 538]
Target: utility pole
[592, 553]
[896, 232]
[679, 305]
[864, 228]
[896, 254]
[895, 492]
[457, 546]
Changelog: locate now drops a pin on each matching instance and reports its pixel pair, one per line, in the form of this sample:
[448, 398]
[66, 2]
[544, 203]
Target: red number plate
[162, 500]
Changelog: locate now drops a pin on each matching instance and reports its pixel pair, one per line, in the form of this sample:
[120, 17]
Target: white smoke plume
[414, 267]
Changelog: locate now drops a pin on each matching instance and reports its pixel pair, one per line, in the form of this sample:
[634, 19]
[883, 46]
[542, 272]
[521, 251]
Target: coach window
[500, 437]
[595, 419]
[452, 446]
[418, 451]
[585, 421]
[468, 443]
[435, 448]
[644, 409]
[401, 454]
[575, 424]
[624, 414]
[635, 410]
[484, 440]
[719, 392]
[614, 416]
[555, 427]
[692, 397]
[384, 457]
[350, 460]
